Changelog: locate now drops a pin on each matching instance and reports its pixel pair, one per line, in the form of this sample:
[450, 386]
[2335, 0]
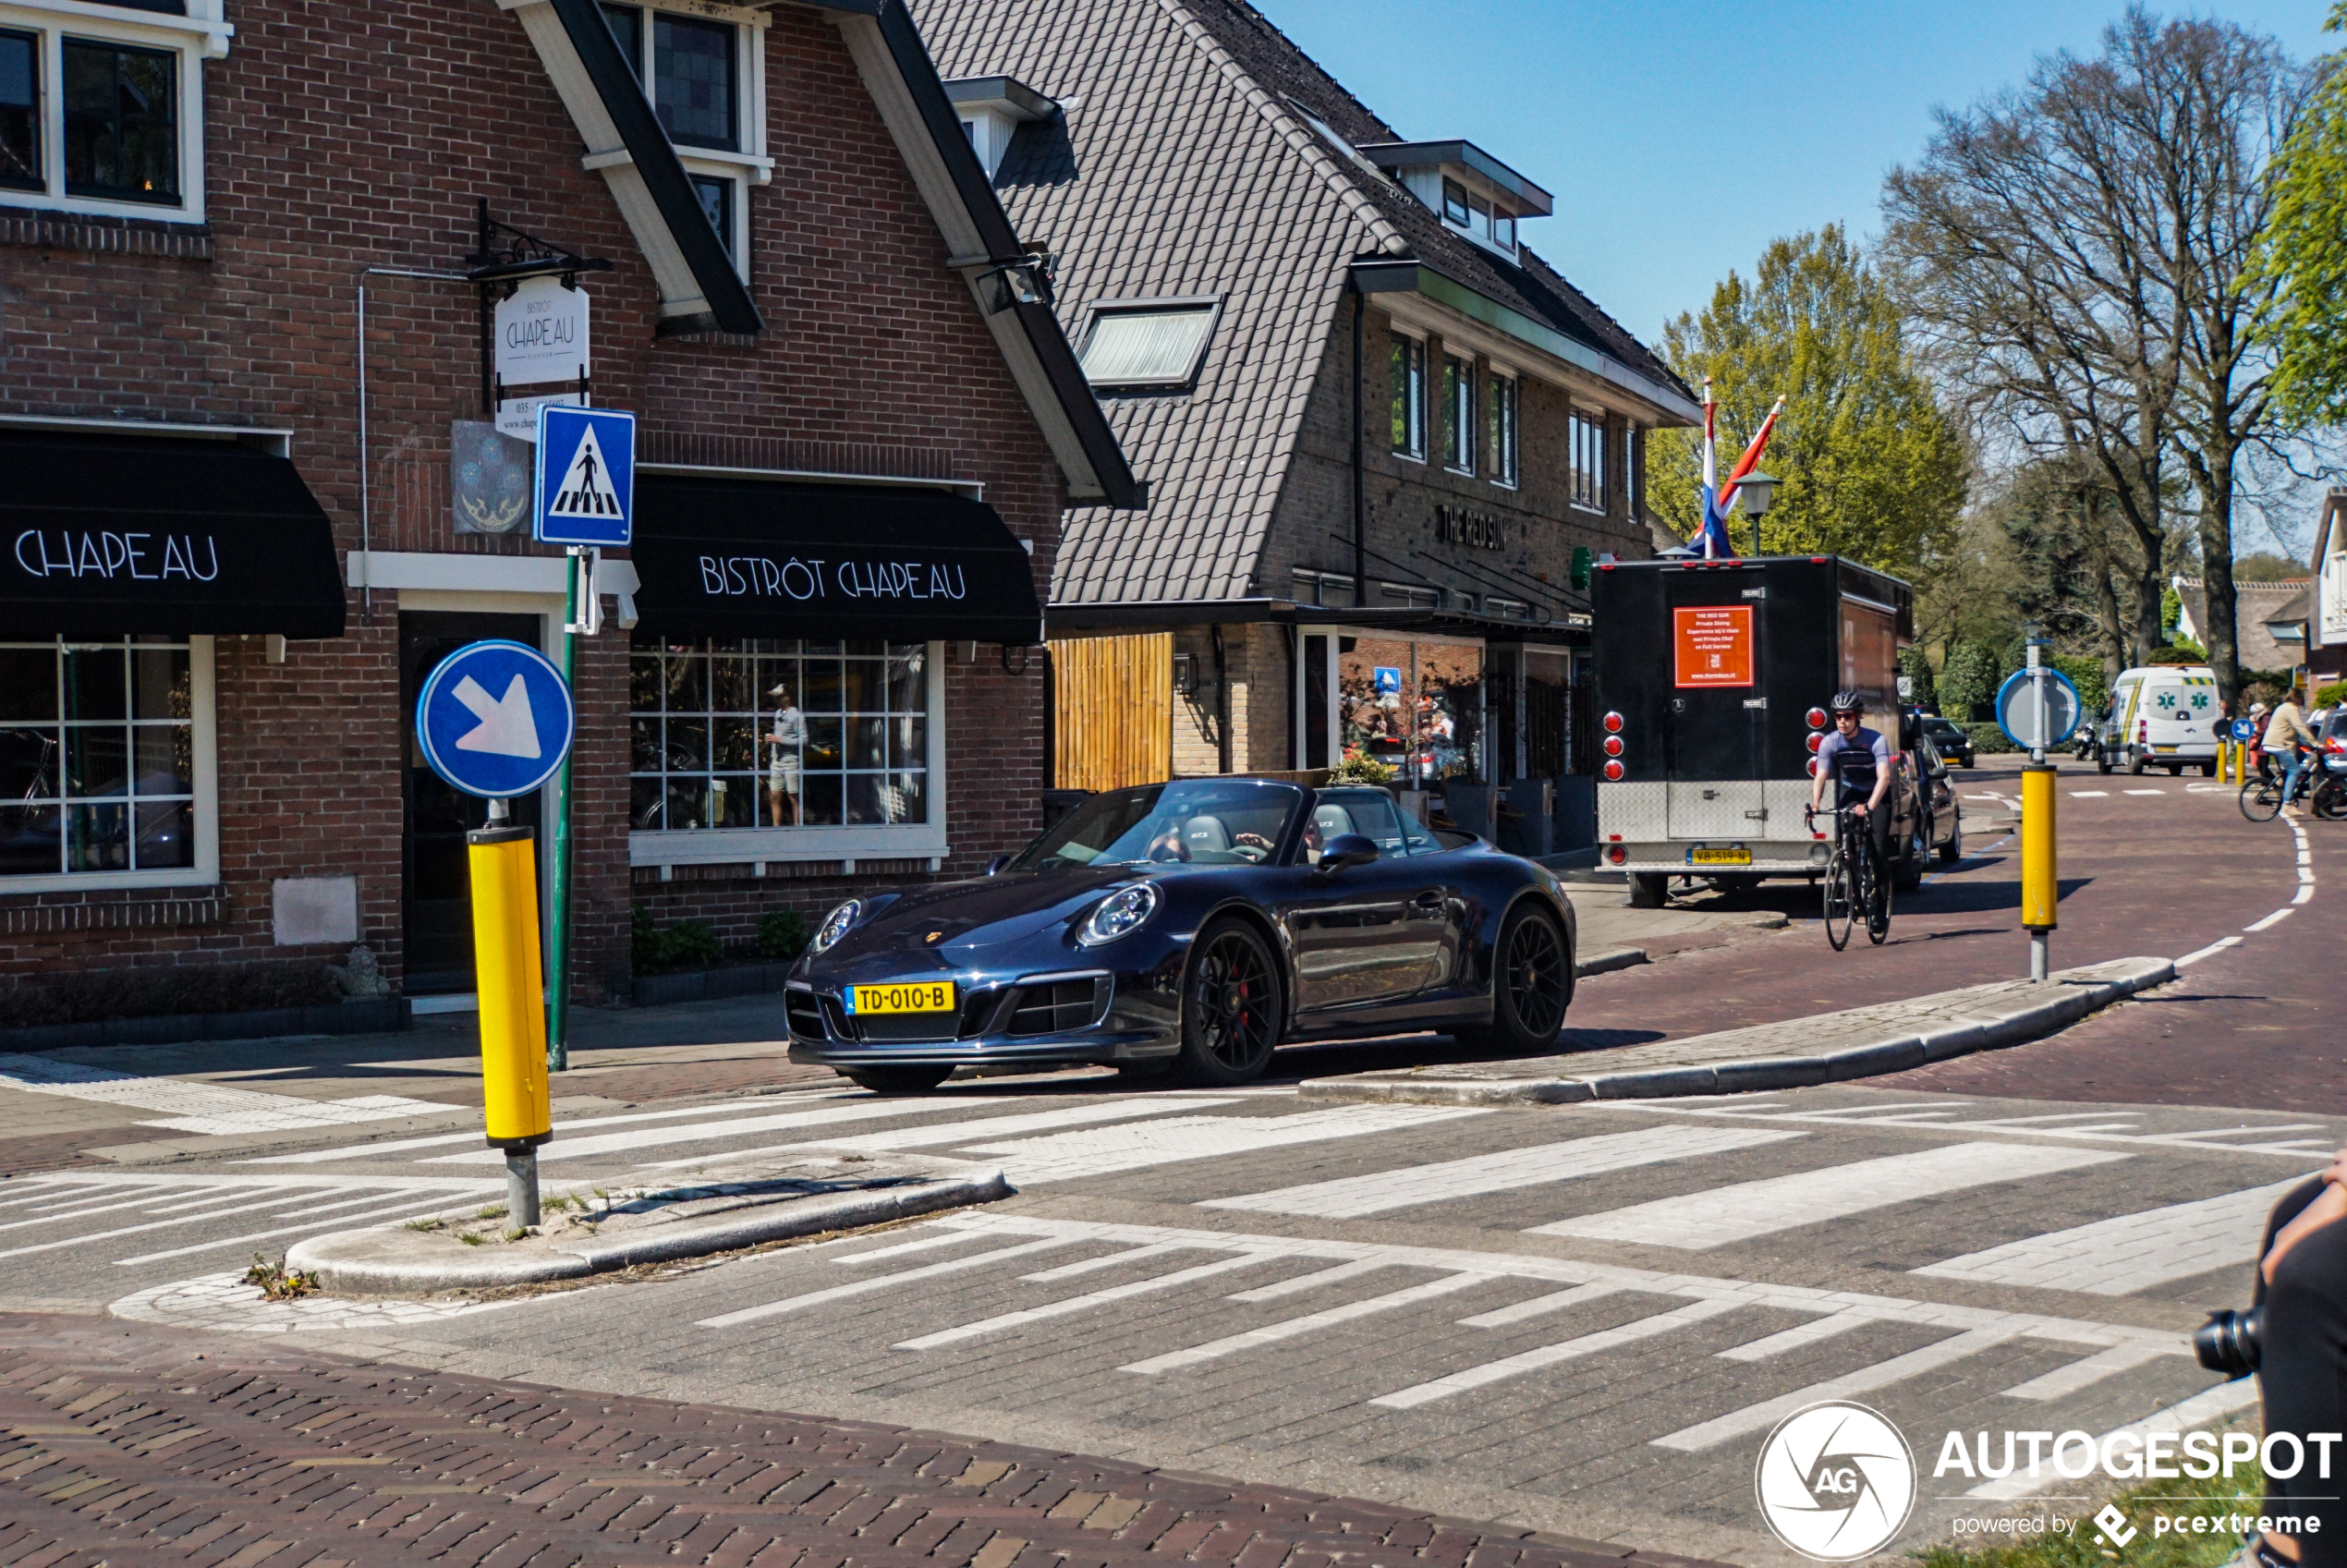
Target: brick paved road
[149, 1446]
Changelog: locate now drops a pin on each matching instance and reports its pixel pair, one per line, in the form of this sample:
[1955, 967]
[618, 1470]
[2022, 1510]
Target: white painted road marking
[400, 1146]
[1754, 1417]
[1273, 1334]
[1094, 1152]
[1781, 1203]
[966, 1133]
[1550, 1354]
[2094, 794]
[204, 1108]
[740, 1126]
[2131, 1252]
[1355, 1196]
[884, 1281]
[1004, 1321]
[2145, 792]
[2087, 1371]
[2203, 1409]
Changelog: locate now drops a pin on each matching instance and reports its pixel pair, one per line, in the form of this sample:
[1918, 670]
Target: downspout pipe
[1361, 501]
[1222, 702]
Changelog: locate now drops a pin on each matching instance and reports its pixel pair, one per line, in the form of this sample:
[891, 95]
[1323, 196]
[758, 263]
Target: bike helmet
[1848, 703]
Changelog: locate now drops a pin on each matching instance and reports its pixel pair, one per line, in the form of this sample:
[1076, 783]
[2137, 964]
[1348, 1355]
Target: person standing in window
[788, 737]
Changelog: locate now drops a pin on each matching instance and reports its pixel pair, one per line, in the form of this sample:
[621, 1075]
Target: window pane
[97, 760]
[823, 744]
[688, 803]
[693, 80]
[908, 744]
[687, 748]
[164, 756]
[717, 204]
[821, 803]
[908, 684]
[1454, 201]
[167, 837]
[20, 112]
[1401, 389]
[644, 797]
[95, 688]
[688, 684]
[28, 841]
[28, 765]
[643, 683]
[866, 742]
[643, 750]
[28, 684]
[730, 688]
[864, 687]
[731, 799]
[822, 686]
[909, 797]
[736, 745]
[122, 138]
[159, 684]
[100, 838]
[627, 23]
[1156, 347]
[867, 802]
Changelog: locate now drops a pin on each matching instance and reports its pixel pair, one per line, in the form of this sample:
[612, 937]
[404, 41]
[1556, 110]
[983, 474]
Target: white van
[2161, 715]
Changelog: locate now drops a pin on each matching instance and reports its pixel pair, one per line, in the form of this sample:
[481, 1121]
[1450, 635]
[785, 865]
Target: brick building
[241, 313]
[1377, 428]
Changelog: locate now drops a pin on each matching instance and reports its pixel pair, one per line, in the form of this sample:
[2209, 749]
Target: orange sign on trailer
[1713, 644]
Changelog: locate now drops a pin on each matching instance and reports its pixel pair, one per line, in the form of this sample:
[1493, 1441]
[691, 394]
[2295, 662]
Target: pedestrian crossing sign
[586, 486]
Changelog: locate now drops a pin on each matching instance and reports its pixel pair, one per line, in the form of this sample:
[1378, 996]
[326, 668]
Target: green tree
[1968, 685]
[1870, 466]
[1922, 690]
[2263, 566]
[2306, 251]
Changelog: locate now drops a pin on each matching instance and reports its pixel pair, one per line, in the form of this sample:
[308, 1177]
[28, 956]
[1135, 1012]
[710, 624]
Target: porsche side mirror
[1347, 849]
[999, 861]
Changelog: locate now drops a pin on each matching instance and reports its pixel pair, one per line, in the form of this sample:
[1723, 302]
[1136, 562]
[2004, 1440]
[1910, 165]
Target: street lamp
[1755, 493]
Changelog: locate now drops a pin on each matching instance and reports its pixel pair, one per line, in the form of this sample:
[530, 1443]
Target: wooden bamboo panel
[1113, 711]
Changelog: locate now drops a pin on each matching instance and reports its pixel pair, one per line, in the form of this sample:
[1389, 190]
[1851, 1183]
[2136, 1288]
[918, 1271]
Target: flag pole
[1711, 472]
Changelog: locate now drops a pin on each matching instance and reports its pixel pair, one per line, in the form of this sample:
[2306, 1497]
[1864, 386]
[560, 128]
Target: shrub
[1968, 684]
[782, 935]
[2085, 673]
[2330, 696]
[2177, 653]
[162, 992]
[1359, 767]
[688, 945]
[1987, 740]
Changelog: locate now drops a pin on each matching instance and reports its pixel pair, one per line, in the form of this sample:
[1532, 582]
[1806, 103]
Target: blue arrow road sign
[496, 719]
[586, 476]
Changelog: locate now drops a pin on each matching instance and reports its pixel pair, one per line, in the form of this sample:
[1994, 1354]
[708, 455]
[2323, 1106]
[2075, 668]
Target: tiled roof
[1184, 164]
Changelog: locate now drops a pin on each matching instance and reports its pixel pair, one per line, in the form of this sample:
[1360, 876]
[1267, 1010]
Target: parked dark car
[1941, 830]
[1192, 925]
[1951, 739]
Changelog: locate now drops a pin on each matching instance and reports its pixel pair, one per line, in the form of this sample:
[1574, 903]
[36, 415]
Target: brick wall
[341, 137]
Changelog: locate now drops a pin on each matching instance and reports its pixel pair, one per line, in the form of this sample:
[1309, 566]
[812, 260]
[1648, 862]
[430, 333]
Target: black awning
[730, 557]
[115, 535]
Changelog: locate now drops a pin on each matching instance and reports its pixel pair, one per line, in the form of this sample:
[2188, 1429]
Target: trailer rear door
[1719, 709]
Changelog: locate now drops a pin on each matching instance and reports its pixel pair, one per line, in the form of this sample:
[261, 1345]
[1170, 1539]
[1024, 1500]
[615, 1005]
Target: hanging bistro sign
[765, 558]
[105, 535]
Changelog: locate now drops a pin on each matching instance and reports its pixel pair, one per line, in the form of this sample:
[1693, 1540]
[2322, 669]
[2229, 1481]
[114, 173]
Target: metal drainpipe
[1360, 505]
[1222, 703]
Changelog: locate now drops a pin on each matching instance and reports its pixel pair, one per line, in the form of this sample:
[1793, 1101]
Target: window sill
[190, 883]
[1409, 457]
[1586, 508]
[172, 221]
[1506, 484]
[1462, 473]
[719, 160]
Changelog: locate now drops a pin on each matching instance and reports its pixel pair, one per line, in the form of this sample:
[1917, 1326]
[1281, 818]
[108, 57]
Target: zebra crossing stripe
[1097, 1151]
[1003, 1127]
[646, 1137]
[2202, 1409]
[1796, 1336]
[2091, 1370]
[1550, 1354]
[883, 1281]
[1354, 1198]
[1748, 1210]
[562, 1130]
[1314, 1280]
[1756, 1417]
[919, 1244]
[2130, 1252]
[1273, 1334]
[1539, 1305]
[1007, 1320]
[1095, 1265]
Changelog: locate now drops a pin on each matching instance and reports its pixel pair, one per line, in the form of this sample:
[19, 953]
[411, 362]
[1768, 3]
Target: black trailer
[1712, 679]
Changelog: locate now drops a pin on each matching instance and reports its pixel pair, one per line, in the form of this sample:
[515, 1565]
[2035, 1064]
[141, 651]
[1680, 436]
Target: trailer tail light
[1813, 767]
[1816, 717]
[1613, 724]
[1816, 740]
[1617, 853]
[1614, 746]
[1614, 772]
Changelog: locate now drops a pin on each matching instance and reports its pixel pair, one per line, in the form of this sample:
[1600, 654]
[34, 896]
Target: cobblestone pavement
[151, 1446]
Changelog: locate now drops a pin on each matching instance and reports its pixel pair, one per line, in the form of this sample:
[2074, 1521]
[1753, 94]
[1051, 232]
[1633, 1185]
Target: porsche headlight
[836, 926]
[1120, 913]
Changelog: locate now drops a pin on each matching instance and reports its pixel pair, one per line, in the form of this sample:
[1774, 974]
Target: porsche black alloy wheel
[903, 1079]
[1231, 1015]
[1531, 984]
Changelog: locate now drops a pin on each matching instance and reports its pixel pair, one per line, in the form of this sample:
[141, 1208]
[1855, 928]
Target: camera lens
[2231, 1341]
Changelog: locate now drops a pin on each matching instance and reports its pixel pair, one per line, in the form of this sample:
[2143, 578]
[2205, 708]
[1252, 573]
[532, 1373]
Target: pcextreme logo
[1835, 1481]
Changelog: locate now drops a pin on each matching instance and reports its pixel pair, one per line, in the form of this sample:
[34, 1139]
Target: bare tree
[2078, 248]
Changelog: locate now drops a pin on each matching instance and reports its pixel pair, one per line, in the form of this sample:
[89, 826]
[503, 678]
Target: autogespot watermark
[1835, 1481]
[2133, 1456]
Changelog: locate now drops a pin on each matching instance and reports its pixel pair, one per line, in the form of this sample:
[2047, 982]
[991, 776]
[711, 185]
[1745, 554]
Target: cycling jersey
[1857, 763]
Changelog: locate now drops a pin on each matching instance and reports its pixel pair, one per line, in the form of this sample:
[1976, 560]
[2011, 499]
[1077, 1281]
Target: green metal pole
[558, 925]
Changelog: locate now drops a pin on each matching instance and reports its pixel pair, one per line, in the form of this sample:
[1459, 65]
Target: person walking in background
[789, 738]
[2287, 732]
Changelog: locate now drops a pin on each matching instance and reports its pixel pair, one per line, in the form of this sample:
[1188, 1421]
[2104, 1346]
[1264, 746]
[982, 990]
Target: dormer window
[991, 108]
[1479, 197]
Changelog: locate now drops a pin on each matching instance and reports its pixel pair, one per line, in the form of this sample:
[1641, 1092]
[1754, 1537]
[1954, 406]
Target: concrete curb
[1890, 1052]
[350, 1262]
[1605, 963]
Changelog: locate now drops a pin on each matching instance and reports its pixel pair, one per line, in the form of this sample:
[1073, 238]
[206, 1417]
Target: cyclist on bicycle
[1858, 760]
[2286, 736]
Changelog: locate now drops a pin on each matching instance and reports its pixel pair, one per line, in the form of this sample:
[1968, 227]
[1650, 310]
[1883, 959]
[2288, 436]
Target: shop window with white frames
[751, 748]
[1586, 447]
[704, 72]
[107, 775]
[103, 113]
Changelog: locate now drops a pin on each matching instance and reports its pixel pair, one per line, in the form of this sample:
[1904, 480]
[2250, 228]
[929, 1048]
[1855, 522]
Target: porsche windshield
[1202, 822]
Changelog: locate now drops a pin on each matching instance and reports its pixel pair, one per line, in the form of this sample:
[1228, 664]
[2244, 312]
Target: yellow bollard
[509, 976]
[2039, 892]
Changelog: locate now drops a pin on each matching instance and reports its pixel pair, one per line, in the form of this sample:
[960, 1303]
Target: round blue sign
[2245, 729]
[496, 719]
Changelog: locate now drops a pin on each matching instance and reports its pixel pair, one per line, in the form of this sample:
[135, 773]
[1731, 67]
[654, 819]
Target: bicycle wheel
[1842, 902]
[2329, 801]
[1878, 890]
[2260, 801]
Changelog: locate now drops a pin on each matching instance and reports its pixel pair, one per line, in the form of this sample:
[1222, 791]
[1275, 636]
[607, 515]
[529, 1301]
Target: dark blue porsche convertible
[1191, 927]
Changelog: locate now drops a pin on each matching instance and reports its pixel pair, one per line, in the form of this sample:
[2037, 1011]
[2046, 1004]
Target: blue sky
[1678, 141]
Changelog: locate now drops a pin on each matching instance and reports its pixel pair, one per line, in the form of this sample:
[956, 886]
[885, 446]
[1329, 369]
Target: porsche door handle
[1428, 901]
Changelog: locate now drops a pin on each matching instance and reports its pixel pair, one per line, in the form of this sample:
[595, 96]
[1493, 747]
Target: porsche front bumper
[1087, 1015]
